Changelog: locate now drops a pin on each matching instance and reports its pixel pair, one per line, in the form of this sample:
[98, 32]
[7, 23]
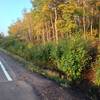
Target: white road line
[5, 72]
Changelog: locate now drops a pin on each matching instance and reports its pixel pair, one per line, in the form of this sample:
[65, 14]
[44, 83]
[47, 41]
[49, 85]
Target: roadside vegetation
[62, 38]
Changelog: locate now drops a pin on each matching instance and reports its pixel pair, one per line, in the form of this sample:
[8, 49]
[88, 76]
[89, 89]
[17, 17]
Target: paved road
[11, 88]
[16, 83]
[2, 76]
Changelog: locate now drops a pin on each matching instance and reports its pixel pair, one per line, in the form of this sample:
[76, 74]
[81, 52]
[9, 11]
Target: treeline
[61, 36]
[51, 20]
[47, 34]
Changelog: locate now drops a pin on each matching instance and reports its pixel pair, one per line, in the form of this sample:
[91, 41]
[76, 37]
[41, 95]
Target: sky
[10, 11]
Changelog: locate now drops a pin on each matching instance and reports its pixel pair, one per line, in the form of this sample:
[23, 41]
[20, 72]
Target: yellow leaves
[29, 45]
[98, 3]
[92, 36]
[15, 28]
[98, 6]
[68, 8]
[45, 8]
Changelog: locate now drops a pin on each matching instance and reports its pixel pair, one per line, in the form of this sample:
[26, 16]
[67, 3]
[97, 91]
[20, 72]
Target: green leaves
[73, 60]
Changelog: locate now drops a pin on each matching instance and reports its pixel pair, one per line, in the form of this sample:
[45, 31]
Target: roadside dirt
[45, 88]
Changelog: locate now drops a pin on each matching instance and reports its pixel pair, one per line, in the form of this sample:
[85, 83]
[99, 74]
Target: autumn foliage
[59, 35]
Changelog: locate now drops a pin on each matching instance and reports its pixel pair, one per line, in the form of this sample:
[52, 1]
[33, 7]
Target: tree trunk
[99, 26]
[30, 35]
[91, 27]
[47, 33]
[92, 22]
[56, 31]
[84, 24]
[53, 29]
[43, 36]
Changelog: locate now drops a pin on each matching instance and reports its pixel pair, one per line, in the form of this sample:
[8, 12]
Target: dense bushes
[74, 59]
[68, 56]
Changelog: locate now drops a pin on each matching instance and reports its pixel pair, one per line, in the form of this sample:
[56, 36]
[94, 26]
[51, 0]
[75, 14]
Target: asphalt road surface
[11, 88]
[16, 83]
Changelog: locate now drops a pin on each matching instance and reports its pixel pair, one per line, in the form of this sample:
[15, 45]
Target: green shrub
[42, 52]
[74, 58]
